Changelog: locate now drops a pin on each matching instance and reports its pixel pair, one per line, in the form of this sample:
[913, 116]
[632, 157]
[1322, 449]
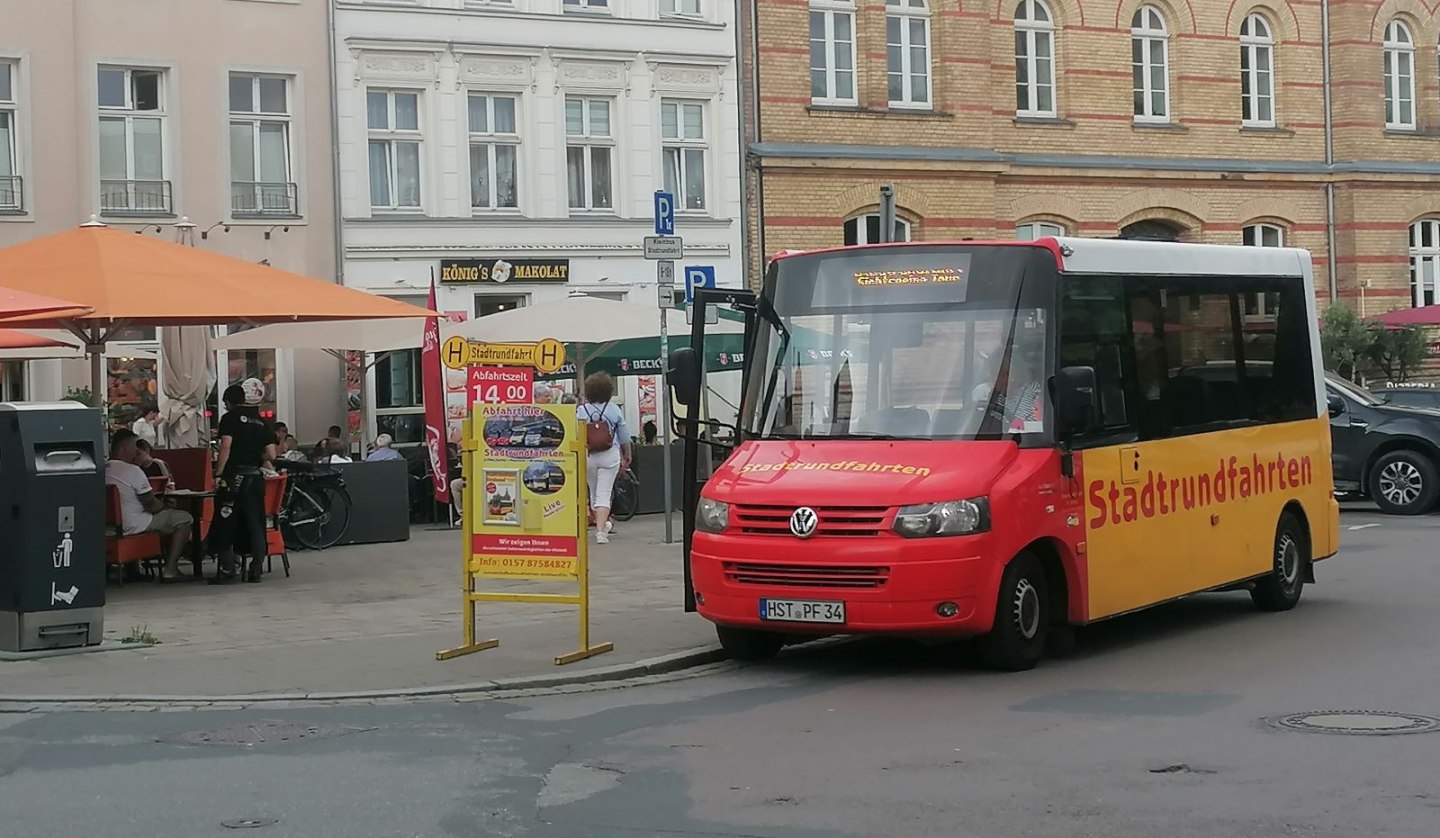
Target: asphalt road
[1154, 727]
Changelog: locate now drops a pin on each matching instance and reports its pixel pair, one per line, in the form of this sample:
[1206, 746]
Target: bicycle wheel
[625, 498]
[318, 532]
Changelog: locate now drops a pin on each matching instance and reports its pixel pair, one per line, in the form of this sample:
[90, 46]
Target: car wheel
[1404, 482]
[749, 644]
[1280, 590]
[1016, 641]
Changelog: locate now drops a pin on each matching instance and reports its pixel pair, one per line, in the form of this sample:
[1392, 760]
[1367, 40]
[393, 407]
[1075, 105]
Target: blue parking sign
[664, 214]
[698, 276]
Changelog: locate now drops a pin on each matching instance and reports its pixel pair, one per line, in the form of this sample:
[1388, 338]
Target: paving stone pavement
[369, 618]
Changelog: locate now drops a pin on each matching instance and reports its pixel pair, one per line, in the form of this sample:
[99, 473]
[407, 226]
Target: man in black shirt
[246, 443]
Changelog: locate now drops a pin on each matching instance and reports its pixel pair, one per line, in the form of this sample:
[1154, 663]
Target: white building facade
[532, 133]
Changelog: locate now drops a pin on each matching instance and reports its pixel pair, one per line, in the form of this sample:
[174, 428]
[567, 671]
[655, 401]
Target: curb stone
[661, 664]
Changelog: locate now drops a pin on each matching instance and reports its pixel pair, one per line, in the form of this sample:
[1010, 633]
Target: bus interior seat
[948, 421]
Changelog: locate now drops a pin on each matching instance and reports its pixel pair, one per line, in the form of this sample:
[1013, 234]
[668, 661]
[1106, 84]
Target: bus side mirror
[1073, 391]
[1336, 404]
[684, 375]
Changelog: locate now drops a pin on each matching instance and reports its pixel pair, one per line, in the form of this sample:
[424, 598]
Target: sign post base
[561, 660]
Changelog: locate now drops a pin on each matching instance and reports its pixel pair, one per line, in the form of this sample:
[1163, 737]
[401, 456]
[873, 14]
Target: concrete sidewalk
[370, 618]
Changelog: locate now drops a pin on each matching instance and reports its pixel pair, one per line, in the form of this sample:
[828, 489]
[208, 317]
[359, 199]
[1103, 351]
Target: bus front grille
[844, 521]
[807, 576]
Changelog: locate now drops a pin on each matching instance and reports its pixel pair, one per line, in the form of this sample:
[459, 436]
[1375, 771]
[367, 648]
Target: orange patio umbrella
[124, 280]
[16, 339]
[23, 305]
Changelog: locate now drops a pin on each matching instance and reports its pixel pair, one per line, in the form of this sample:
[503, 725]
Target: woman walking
[608, 442]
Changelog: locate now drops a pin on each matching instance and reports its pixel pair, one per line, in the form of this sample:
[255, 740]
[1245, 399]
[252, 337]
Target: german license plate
[802, 611]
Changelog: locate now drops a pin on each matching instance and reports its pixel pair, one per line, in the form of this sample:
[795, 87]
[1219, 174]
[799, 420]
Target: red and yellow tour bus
[1003, 440]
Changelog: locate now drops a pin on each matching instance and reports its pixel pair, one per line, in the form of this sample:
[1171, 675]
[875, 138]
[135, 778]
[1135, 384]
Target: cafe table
[192, 501]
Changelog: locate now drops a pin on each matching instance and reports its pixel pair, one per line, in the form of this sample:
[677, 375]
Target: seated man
[140, 510]
[384, 450]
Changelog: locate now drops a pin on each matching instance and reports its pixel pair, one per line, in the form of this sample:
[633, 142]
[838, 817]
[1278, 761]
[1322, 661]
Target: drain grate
[1357, 722]
[249, 823]
[261, 733]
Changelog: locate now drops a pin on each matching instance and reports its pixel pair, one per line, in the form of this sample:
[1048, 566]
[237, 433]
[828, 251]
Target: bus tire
[749, 644]
[1016, 642]
[1280, 589]
[1404, 482]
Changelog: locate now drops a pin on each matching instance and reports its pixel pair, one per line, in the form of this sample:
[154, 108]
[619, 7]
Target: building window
[1150, 66]
[865, 229]
[1037, 230]
[12, 191]
[494, 152]
[1399, 77]
[832, 52]
[132, 142]
[393, 117]
[1152, 229]
[1425, 261]
[589, 151]
[1262, 306]
[907, 50]
[1034, 59]
[682, 134]
[587, 5]
[1257, 73]
[680, 8]
[261, 182]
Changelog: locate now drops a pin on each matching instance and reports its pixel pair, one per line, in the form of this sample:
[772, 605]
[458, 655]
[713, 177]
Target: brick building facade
[1204, 120]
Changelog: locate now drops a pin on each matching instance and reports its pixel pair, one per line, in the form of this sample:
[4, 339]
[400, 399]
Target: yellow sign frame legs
[470, 568]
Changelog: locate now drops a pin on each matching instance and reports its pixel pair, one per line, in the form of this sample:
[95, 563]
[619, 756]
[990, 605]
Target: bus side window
[1279, 381]
[1094, 331]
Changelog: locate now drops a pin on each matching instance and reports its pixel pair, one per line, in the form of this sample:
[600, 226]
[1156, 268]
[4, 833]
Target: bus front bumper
[883, 591]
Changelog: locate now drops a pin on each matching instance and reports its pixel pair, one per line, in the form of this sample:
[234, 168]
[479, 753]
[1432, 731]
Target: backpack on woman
[599, 436]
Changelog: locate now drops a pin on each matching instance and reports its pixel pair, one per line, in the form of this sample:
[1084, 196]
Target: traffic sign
[664, 247]
[665, 272]
[698, 276]
[664, 214]
[547, 355]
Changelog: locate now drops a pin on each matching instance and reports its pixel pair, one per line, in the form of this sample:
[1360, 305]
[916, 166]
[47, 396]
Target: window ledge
[1413, 133]
[1159, 126]
[893, 113]
[1267, 131]
[1043, 122]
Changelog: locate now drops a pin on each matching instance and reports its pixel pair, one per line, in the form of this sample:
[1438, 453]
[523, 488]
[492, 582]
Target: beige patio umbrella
[187, 373]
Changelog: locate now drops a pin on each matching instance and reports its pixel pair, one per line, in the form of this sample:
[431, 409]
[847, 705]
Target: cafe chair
[274, 538]
[122, 549]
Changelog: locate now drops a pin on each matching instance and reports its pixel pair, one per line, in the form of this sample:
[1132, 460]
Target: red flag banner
[434, 389]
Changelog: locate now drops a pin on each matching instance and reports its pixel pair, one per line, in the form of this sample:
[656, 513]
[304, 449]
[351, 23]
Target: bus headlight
[951, 517]
[711, 515]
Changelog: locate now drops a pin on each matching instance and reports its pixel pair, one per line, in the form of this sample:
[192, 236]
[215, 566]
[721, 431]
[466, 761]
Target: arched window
[865, 229]
[1034, 59]
[1425, 261]
[907, 52]
[1257, 73]
[1262, 306]
[1399, 77]
[1152, 229]
[1150, 65]
[1037, 230]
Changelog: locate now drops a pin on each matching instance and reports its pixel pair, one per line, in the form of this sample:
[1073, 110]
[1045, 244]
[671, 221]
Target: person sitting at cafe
[650, 431]
[336, 452]
[290, 450]
[322, 448]
[282, 433]
[145, 459]
[383, 450]
[140, 510]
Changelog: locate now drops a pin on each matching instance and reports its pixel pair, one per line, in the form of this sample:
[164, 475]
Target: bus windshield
[913, 342]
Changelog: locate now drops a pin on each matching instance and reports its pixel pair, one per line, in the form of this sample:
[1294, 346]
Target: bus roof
[1135, 257]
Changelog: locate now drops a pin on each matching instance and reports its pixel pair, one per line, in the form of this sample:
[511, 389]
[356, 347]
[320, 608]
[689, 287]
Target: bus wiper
[871, 435]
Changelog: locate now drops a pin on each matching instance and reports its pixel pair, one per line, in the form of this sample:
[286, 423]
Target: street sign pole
[665, 279]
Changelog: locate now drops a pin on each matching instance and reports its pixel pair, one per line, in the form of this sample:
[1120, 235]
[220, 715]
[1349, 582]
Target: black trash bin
[52, 526]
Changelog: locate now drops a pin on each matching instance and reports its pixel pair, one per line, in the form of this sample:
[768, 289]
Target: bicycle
[315, 512]
[625, 497]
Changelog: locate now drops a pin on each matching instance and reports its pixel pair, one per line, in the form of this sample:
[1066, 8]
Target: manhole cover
[249, 823]
[1357, 722]
[261, 733]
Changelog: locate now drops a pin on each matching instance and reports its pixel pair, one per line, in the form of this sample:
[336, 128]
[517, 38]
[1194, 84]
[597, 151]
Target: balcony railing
[136, 197]
[264, 200]
[12, 194]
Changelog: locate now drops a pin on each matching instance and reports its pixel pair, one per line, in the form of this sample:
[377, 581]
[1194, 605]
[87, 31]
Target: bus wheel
[749, 644]
[1280, 590]
[1404, 482]
[1017, 640]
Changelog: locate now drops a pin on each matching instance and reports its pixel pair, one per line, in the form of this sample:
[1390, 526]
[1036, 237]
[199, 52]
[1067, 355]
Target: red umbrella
[15, 339]
[1422, 316]
[23, 305]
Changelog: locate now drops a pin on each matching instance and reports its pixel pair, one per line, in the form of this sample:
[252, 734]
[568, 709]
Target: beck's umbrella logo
[803, 522]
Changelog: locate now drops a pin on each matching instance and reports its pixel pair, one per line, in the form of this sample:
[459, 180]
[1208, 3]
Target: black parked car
[1409, 395]
[1385, 451]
